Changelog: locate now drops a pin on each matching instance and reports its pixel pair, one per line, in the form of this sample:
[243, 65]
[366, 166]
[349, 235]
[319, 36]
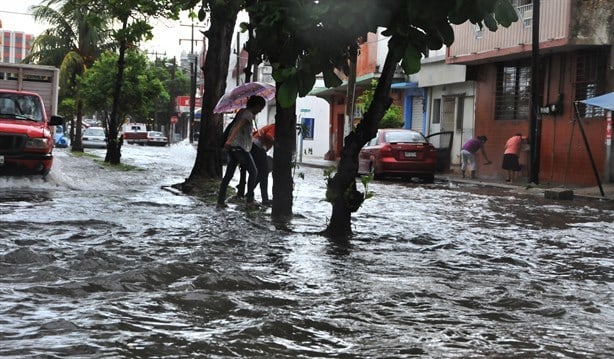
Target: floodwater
[96, 263]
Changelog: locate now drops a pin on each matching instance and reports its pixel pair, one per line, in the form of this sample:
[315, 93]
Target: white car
[94, 137]
[156, 138]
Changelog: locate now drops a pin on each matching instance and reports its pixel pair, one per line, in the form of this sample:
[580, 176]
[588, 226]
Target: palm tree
[75, 39]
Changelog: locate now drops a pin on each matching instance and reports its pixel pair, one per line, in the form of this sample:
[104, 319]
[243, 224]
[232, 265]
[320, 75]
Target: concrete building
[15, 45]
[576, 62]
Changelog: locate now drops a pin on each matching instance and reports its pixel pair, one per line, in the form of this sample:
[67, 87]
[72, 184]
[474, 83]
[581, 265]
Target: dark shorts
[510, 162]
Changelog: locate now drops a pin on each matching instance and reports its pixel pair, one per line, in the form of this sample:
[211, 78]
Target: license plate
[1, 160]
[410, 154]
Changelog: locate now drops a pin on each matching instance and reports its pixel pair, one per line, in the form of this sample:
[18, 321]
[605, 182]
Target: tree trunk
[285, 146]
[114, 145]
[341, 188]
[208, 163]
[76, 144]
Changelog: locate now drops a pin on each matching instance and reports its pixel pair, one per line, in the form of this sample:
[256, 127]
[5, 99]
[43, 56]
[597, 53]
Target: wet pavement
[98, 263]
[605, 192]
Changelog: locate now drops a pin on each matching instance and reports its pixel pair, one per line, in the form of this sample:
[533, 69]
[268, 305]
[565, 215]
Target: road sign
[183, 103]
[174, 120]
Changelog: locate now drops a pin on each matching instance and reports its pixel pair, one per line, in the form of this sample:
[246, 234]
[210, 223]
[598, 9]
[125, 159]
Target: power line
[16, 12]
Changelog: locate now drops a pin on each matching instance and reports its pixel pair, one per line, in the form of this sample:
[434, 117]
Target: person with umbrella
[239, 144]
[262, 142]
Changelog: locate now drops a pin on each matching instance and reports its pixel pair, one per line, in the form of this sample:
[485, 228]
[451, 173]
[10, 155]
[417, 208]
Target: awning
[362, 81]
[606, 101]
[404, 85]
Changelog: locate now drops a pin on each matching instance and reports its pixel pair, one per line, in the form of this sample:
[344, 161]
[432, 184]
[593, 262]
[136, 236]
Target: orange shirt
[512, 146]
[266, 136]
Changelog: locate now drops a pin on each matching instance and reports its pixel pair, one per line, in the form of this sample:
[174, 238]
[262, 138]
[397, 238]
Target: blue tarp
[606, 101]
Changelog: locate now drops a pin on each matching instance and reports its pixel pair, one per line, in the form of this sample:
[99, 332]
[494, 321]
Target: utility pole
[172, 112]
[535, 124]
[156, 114]
[193, 75]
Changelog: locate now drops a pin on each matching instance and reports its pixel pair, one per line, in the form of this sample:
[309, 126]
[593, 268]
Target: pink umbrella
[237, 98]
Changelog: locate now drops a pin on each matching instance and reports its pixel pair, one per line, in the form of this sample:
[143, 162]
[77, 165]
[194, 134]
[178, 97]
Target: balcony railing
[554, 27]
[525, 13]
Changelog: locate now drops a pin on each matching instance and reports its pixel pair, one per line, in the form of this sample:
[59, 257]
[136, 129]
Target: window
[307, 127]
[590, 67]
[437, 110]
[403, 137]
[513, 92]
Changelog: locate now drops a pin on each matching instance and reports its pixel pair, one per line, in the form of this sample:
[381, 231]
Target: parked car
[94, 137]
[399, 152]
[156, 138]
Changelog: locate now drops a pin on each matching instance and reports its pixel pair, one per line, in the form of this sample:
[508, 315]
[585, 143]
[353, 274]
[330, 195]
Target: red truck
[28, 102]
[135, 133]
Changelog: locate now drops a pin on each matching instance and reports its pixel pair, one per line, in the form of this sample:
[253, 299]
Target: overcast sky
[14, 15]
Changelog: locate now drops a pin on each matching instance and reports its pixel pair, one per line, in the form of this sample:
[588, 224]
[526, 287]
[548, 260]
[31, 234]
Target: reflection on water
[109, 265]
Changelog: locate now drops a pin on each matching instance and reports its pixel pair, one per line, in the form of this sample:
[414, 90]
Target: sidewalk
[592, 192]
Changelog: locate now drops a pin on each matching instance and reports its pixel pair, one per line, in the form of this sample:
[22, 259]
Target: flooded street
[97, 263]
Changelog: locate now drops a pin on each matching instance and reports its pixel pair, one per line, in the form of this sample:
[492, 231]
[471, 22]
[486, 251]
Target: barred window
[513, 92]
[589, 70]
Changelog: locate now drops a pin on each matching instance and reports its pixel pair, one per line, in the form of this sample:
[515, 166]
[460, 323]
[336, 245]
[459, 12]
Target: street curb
[527, 188]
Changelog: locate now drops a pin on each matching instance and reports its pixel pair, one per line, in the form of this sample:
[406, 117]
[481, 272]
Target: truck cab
[26, 139]
[28, 100]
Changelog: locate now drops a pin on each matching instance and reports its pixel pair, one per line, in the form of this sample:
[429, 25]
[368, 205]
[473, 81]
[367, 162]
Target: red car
[399, 152]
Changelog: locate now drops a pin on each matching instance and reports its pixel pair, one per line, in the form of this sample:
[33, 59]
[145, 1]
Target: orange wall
[564, 158]
[367, 58]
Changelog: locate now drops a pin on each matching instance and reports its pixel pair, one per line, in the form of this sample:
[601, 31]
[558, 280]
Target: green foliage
[75, 38]
[140, 90]
[67, 108]
[349, 193]
[328, 176]
[121, 167]
[74, 26]
[303, 38]
[392, 118]
[175, 83]
[329, 172]
[365, 180]
[135, 16]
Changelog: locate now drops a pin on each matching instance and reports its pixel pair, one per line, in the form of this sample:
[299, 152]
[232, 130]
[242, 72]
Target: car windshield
[403, 136]
[94, 132]
[21, 106]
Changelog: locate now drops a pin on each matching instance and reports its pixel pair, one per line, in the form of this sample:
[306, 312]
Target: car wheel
[429, 178]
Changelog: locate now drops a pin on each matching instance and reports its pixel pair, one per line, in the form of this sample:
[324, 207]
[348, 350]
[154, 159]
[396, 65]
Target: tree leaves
[505, 13]
[411, 60]
[287, 92]
[331, 79]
